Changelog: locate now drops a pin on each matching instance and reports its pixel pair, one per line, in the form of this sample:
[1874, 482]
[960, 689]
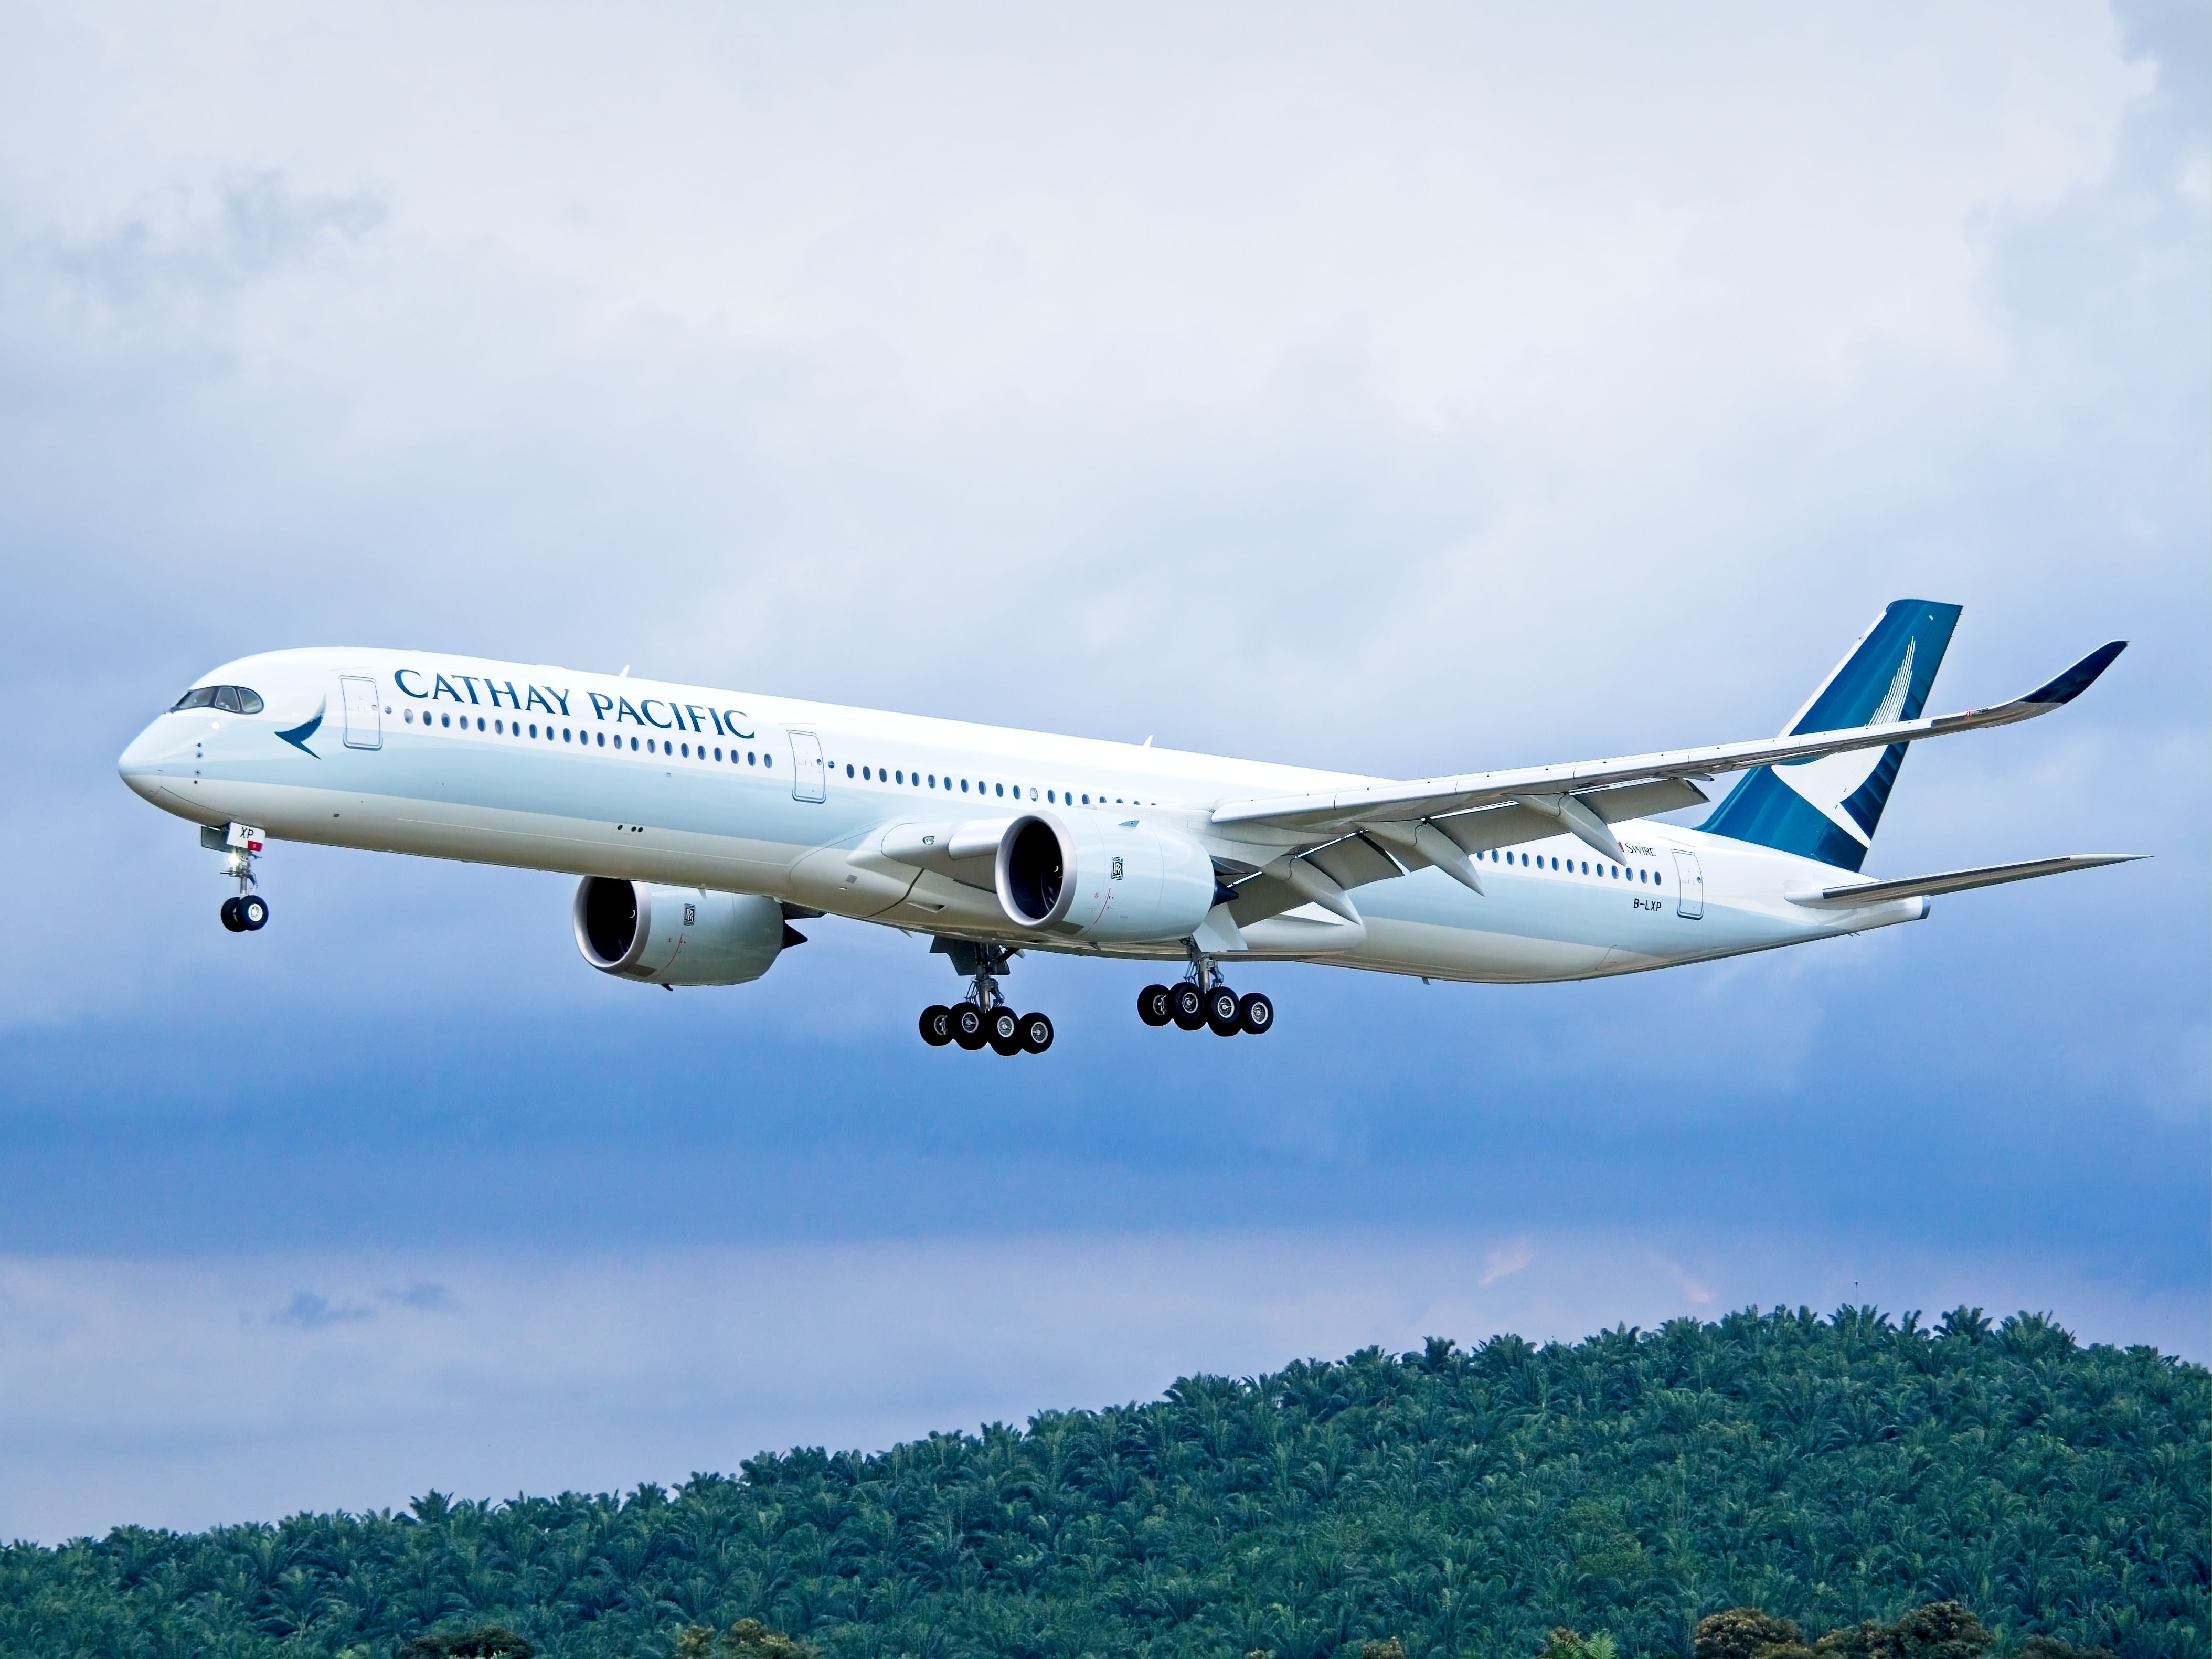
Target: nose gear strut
[240, 844]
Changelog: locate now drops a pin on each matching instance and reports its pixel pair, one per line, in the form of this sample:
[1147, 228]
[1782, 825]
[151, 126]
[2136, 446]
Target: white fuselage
[682, 786]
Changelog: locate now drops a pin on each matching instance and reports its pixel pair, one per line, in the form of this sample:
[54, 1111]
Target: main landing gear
[1203, 999]
[984, 1021]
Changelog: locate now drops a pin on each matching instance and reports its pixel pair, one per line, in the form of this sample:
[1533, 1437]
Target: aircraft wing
[1338, 812]
[1953, 881]
[1333, 840]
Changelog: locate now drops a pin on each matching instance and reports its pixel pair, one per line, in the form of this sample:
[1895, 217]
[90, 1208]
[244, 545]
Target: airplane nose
[140, 765]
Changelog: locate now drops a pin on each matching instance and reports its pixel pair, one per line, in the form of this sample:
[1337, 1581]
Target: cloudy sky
[1415, 389]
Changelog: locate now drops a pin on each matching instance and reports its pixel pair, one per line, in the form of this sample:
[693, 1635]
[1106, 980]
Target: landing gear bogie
[984, 1020]
[1204, 1001]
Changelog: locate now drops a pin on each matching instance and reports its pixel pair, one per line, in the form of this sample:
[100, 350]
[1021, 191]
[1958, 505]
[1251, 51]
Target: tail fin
[1826, 809]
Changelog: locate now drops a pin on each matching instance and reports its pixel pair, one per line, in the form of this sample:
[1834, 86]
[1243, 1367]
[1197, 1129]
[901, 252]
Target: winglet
[2078, 678]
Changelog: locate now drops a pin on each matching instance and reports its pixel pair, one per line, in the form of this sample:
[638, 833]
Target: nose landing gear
[240, 844]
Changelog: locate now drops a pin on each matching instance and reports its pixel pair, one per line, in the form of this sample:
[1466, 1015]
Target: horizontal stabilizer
[1956, 881]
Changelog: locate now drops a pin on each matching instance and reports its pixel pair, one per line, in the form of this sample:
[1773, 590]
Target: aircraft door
[1690, 879]
[364, 718]
[808, 780]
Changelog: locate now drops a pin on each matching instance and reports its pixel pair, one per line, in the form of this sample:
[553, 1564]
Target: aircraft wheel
[1002, 1029]
[230, 916]
[253, 913]
[967, 1026]
[1152, 1005]
[1037, 1033]
[1221, 1009]
[1187, 1007]
[1256, 1014]
[937, 1025]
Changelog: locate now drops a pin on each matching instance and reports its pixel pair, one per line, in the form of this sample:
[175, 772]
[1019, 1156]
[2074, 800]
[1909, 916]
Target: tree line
[1665, 1491]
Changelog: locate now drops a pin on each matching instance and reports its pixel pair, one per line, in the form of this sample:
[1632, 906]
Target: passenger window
[849, 769]
[633, 745]
[718, 754]
[408, 715]
[749, 758]
[1047, 795]
[864, 772]
[500, 726]
[565, 733]
[964, 786]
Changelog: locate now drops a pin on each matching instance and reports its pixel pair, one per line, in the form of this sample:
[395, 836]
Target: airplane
[703, 822]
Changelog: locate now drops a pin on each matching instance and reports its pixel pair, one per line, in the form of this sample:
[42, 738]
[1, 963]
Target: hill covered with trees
[1836, 1471]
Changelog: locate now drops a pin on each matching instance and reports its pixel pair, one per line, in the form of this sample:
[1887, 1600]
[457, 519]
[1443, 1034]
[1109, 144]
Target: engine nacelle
[1102, 880]
[677, 935]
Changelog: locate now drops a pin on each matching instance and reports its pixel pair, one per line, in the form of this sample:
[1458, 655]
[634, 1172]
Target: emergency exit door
[808, 780]
[364, 718]
[1690, 885]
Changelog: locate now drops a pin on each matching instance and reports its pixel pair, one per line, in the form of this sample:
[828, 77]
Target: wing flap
[1854, 894]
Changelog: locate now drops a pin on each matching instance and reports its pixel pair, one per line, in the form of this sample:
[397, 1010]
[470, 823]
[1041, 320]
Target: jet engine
[678, 935]
[1093, 879]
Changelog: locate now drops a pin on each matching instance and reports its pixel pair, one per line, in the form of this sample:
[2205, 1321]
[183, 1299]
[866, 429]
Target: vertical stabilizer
[1826, 809]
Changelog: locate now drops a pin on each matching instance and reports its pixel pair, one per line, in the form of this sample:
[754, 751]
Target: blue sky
[1442, 389]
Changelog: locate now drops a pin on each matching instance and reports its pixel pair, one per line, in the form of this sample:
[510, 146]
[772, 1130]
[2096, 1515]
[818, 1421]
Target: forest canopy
[1641, 1493]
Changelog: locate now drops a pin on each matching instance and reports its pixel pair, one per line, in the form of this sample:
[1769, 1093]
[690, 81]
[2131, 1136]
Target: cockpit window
[233, 699]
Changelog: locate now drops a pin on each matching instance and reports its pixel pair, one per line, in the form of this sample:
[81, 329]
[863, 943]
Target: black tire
[1152, 1005]
[967, 1026]
[937, 1025]
[230, 916]
[1256, 1014]
[1221, 1005]
[1002, 1029]
[1187, 1007]
[1037, 1033]
[253, 913]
